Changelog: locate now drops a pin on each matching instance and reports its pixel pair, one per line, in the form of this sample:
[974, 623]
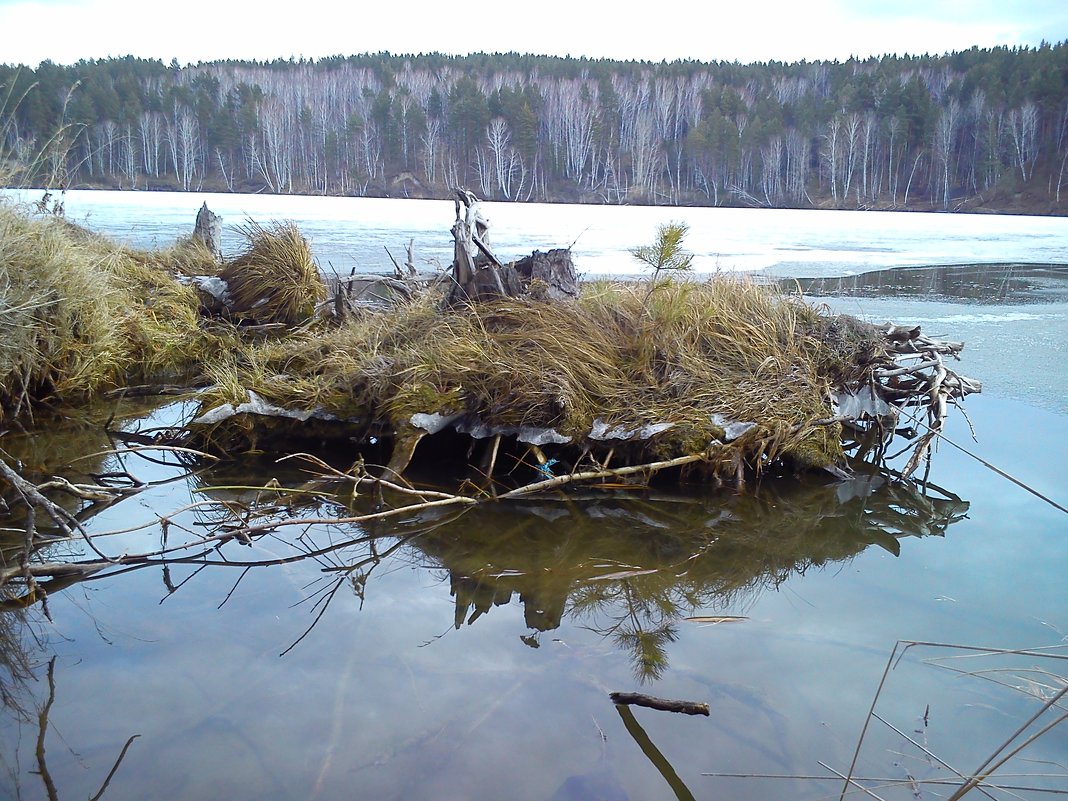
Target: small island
[724, 379]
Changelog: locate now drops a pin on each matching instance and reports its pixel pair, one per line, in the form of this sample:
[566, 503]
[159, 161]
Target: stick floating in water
[663, 704]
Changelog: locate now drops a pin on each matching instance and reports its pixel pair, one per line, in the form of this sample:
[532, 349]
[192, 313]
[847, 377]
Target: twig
[89, 492]
[660, 762]
[142, 448]
[867, 720]
[987, 768]
[891, 782]
[395, 265]
[560, 481]
[42, 729]
[850, 780]
[663, 704]
[114, 768]
[996, 469]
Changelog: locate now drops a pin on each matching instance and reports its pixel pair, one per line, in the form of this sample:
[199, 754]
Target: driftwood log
[471, 253]
[348, 295]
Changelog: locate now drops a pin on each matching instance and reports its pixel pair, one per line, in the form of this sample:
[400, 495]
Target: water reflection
[32, 715]
[627, 565]
[631, 568]
[969, 283]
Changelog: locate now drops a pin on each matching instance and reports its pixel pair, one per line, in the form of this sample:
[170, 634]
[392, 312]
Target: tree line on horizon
[982, 127]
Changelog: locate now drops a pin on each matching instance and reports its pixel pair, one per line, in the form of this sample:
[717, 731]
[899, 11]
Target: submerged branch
[32, 497]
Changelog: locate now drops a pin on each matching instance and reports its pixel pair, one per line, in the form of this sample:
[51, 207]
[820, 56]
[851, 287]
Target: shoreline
[965, 205]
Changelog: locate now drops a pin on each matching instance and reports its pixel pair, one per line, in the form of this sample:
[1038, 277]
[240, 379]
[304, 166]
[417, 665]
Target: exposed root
[911, 383]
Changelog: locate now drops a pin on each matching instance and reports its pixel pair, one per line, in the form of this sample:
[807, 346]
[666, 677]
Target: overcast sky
[706, 30]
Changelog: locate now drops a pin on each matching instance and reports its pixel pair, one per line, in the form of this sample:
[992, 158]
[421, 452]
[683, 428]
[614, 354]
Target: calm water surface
[469, 656]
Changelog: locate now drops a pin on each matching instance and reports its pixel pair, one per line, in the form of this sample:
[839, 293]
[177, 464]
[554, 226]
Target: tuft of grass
[188, 257]
[275, 279]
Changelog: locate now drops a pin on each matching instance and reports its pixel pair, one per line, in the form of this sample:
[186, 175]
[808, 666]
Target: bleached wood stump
[478, 274]
[208, 230]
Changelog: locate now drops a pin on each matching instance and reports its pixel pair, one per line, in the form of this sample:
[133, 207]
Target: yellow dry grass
[274, 280]
[79, 314]
[684, 353]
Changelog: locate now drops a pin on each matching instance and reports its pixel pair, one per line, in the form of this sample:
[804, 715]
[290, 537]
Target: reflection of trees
[53, 482]
[24, 677]
[18, 699]
[631, 569]
[16, 665]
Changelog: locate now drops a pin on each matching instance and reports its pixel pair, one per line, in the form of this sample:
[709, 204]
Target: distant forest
[980, 129]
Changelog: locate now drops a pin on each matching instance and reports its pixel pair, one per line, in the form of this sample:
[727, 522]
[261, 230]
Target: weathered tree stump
[471, 253]
[479, 275]
[208, 230]
[555, 269]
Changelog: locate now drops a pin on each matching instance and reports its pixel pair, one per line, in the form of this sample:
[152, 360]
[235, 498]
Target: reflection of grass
[632, 569]
[629, 568]
[16, 664]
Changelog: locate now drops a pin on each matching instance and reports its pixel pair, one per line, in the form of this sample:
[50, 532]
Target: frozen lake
[347, 233]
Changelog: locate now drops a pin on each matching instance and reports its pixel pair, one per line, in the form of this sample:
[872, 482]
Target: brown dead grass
[690, 350]
[80, 314]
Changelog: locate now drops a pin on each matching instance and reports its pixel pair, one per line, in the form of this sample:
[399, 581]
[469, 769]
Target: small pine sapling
[665, 255]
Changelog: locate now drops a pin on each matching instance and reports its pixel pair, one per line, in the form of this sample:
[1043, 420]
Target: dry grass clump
[274, 280]
[684, 353]
[79, 314]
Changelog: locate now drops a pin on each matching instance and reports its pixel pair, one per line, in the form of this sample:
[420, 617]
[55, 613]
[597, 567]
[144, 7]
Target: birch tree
[1023, 129]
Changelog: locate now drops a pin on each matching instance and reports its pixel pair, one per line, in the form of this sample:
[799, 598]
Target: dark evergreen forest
[980, 129]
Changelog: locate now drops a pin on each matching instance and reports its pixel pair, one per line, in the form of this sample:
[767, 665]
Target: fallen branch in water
[32, 497]
[592, 475]
[663, 704]
[245, 529]
[151, 390]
